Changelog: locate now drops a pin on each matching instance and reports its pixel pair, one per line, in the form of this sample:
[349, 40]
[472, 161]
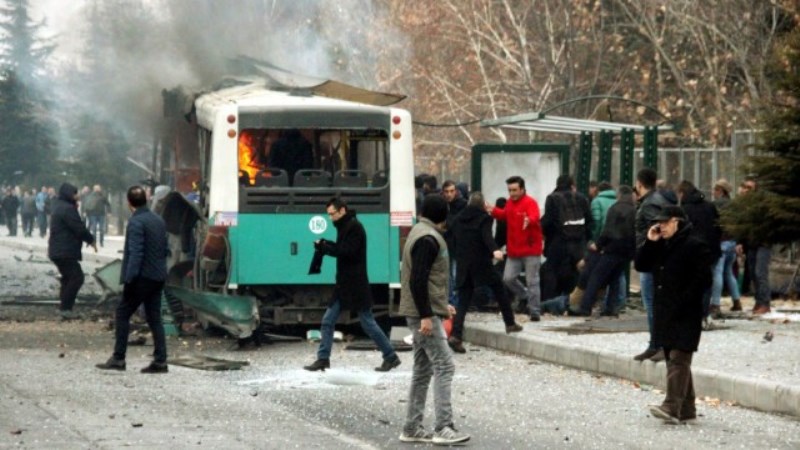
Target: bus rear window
[308, 158]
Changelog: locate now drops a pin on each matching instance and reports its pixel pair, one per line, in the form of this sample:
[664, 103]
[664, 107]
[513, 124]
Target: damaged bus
[265, 160]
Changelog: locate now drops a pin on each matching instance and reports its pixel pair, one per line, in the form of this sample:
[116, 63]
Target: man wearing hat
[723, 271]
[681, 266]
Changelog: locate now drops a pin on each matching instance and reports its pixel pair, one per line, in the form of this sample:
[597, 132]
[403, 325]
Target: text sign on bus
[317, 224]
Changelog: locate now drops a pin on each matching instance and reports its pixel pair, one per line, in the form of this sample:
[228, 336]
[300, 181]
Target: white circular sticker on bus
[317, 224]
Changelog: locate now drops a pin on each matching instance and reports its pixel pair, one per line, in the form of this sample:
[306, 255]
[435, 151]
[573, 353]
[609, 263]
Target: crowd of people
[34, 208]
[682, 254]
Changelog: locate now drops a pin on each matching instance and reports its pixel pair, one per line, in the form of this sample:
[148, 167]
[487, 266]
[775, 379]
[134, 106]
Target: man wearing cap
[723, 271]
[680, 263]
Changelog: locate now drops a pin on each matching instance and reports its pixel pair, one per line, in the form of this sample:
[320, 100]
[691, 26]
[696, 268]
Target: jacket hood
[610, 193]
[472, 214]
[67, 192]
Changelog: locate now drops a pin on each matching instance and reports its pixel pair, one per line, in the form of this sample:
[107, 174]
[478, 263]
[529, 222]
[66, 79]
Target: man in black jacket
[10, 210]
[567, 226]
[474, 248]
[608, 256]
[67, 233]
[144, 270]
[681, 266]
[352, 291]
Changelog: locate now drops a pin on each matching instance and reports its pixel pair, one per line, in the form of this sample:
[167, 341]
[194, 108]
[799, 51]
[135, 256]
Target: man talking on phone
[680, 263]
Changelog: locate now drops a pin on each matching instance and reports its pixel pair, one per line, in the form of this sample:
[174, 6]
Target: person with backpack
[567, 226]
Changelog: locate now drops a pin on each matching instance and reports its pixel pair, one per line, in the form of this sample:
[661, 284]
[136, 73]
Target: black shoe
[607, 313]
[573, 313]
[112, 364]
[388, 364]
[456, 345]
[320, 364]
[647, 354]
[155, 367]
[535, 317]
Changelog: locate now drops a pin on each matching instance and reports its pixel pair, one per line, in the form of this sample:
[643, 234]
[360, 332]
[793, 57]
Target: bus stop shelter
[587, 129]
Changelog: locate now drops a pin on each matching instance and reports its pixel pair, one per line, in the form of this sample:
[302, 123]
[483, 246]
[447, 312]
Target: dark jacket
[556, 245]
[67, 231]
[649, 207]
[473, 243]
[453, 209]
[681, 268]
[10, 205]
[619, 235]
[145, 254]
[704, 218]
[350, 250]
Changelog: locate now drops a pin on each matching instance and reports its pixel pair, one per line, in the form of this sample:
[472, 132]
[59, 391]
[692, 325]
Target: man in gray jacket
[424, 303]
[144, 270]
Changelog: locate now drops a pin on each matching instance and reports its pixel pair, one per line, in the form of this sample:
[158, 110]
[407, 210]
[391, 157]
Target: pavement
[746, 361]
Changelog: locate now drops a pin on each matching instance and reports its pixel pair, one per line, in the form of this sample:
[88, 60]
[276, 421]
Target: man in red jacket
[524, 244]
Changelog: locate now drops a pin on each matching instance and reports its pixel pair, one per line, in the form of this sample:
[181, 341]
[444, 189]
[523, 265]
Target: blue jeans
[723, 273]
[758, 264]
[452, 292]
[604, 270]
[368, 324]
[97, 223]
[648, 292]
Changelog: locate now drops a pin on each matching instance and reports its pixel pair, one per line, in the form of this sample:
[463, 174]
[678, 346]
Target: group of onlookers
[35, 208]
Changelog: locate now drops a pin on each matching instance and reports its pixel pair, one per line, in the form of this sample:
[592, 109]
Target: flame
[248, 155]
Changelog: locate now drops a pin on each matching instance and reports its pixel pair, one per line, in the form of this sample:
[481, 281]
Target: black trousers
[137, 292]
[466, 292]
[71, 281]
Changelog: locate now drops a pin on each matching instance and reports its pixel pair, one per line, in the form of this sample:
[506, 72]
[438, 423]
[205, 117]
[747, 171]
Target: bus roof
[250, 94]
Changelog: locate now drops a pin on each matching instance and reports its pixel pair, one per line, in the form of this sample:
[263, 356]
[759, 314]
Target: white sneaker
[449, 436]
[420, 435]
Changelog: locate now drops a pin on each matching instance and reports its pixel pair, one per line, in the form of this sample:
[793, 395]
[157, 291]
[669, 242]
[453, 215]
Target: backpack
[572, 218]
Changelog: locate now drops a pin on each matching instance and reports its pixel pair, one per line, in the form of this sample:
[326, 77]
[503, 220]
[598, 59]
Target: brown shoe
[513, 328]
[761, 309]
[647, 354]
[737, 306]
[714, 311]
[456, 345]
[658, 357]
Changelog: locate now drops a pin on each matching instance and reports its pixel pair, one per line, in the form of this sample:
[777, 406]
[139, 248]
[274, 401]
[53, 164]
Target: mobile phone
[657, 228]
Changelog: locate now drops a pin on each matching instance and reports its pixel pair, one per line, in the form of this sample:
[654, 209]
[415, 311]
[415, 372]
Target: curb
[87, 256]
[763, 395]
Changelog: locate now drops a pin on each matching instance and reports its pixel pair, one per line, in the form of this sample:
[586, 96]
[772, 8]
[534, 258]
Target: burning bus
[265, 155]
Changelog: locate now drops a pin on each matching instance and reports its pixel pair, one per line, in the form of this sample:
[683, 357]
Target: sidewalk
[735, 363]
[111, 250]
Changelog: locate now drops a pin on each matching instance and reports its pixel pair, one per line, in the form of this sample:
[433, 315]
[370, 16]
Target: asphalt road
[51, 396]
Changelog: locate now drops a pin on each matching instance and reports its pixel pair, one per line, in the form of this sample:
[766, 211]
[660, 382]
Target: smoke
[115, 56]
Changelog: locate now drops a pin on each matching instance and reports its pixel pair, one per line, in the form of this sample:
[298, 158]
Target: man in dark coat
[607, 257]
[352, 291]
[681, 266]
[10, 211]
[565, 238]
[474, 248]
[704, 217]
[144, 271]
[67, 233]
[455, 204]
